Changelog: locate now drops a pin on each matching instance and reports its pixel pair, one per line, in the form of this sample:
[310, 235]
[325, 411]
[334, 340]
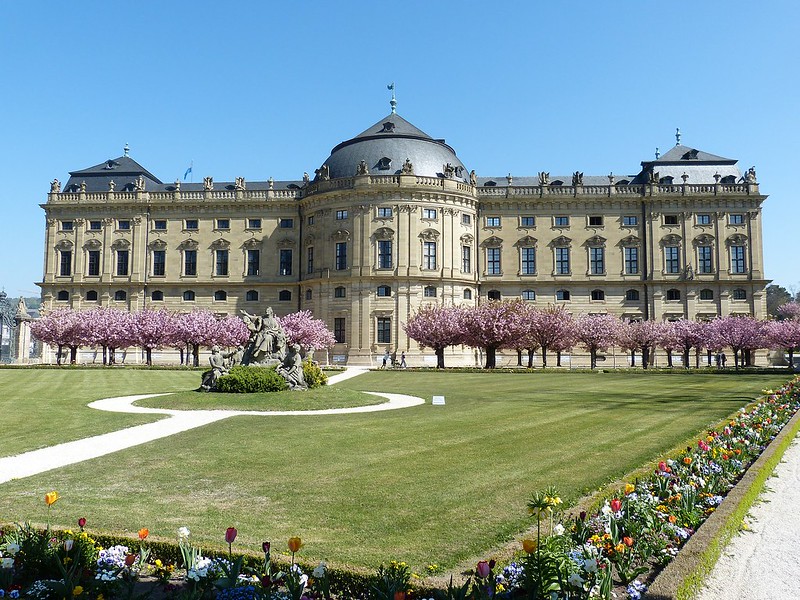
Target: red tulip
[616, 505]
[265, 546]
[130, 559]
[81, 522]
[482, 570]
[230, 534]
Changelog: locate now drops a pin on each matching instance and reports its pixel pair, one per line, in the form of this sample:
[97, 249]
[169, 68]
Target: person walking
[403, 360]
[386, 358]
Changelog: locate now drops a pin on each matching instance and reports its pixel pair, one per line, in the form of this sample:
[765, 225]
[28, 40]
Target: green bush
[249, 380]
[313, 374]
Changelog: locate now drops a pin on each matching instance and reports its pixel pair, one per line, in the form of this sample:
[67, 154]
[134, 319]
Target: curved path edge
[177, 421]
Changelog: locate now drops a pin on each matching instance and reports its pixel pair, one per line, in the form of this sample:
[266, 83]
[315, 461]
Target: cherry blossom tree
[683, 335]
[784, 335]
[109, 328]
[742, 334]
[152, 329]
[639, 335]
[193, 330]
[58, 328]
[437, 327]
[303, 329]
[597, 332]
[230, 331]
[790, 311]
[552, 328]
[493, 326]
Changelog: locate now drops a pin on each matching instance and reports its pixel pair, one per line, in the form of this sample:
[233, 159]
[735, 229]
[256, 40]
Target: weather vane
[393, 101]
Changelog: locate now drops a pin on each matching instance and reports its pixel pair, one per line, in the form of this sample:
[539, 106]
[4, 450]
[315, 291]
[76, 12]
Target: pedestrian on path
[403, 360]
[386, 358]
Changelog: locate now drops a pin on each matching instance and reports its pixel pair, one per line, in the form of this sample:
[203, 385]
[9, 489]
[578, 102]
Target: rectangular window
[254, 223]
[191, 224]
[221, 263]
[122, 262]
[341, 215]
[703, 219]
[562, 260]
[340, 292]
[704, 264]
[253, 262]
[190, 262]
[493, 261]
[341, 256]
[670, 219]
[338, 330]
[95, 225]
[597, 261]
[631, 260]
[737, 259]
[736, 219]
[310, 220]
[528, 261]
[286, 223]
[429, 255]
[94, 263]
[595, 221]
[466, 259]
[66, 263]
[428, 213]
[385, 212]
[384, 330]
[527, 221]
[672, 261]
[124, 225]
[630, 221]
[493, 221]
[66, 225]
[466, 219]
[159, 262]
[561, 221]
[223, 223]
[310, 261]
[286, 261]
[160, 225]
[384, 254]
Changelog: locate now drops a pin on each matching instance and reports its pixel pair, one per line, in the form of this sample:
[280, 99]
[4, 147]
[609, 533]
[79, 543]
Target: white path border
[54, 457]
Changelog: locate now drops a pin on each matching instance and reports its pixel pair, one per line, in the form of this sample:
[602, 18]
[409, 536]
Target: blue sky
[260, 89]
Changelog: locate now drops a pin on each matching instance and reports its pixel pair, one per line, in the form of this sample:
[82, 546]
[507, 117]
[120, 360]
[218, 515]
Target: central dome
[385, 147]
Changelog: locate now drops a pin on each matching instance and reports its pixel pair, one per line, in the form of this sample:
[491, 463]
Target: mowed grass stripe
[424, 484]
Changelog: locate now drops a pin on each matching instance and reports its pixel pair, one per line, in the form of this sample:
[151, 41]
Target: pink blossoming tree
[303, 329]
[597, 332]
[437, 327]
[494, 326]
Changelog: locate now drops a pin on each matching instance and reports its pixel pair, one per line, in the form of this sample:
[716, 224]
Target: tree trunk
[669, 358]
[180, 351]
[439, 358]
[519, 357]
[697, 358]
[593, 358]
[491, 357]
[196, 355]
[791, 359]
[112, 355]
[709, 358]
[736, 359]
[558, 358]
[633, 358]
[544, 357]
[148, 356]
[58, 354]
[530, 357]
[686, 358]
[73, 355]
[645, 357]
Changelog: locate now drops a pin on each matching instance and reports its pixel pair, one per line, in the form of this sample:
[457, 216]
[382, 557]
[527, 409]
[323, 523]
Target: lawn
[426, 484]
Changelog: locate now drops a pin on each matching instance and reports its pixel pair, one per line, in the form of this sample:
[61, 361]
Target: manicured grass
[426, 484]
[319, 398]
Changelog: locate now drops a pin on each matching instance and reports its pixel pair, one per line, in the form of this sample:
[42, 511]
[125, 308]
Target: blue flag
[185, 175]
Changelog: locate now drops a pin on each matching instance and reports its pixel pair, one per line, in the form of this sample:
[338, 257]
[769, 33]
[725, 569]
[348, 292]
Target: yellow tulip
[295, 543]
[77, 590]
[529, 546]
[50, 498]
[629, 488]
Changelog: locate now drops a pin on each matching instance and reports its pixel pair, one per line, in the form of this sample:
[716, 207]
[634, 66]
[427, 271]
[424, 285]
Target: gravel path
[763, 563]
[54, 457]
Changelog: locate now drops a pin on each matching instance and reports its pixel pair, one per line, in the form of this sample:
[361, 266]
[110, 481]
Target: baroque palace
[392, 220]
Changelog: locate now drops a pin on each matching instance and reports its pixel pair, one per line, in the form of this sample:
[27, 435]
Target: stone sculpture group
[267, 346]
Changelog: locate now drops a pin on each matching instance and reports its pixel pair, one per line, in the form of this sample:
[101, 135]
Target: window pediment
[630, 240]
[64, 245]
[384, 233]
[158, 245]
[93, 244]
[340, 235]
[561, 240]
[467, 239]
[703, 240]
[526, 241]
[220, 244]
[121, 244]
[286, 243]
[671, 240]
[737, 239]
[189, 244]
[492, 242]
[252, 244]
[429, 235]
[595, 241]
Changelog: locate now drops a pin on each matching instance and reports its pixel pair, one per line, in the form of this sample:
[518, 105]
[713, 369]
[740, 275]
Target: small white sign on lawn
[438, 401]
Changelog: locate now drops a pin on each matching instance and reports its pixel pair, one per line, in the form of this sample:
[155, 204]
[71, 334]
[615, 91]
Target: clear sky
[260, 89]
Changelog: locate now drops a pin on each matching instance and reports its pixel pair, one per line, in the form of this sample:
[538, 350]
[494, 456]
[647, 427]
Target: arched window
[384, 291]
[528, 295]
[62, 296]
[309, 294]
[673, 294]
[251, 296]
[493, 295]
[91, 296]
[739, 294]
[339, 292]
[157, 296]
[220, 295]
[467, 294]
[188, 296]
[120, 295]
[706, 294]
[598, 295]
[632, 295]
[728, 179]
[562, 295]
[429, 291]
[284, 295]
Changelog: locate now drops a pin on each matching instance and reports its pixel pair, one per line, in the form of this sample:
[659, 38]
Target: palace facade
[392, 220]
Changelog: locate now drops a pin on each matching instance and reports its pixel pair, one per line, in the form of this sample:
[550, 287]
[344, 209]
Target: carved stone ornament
[158, 245]
[55, 186]
[177, 185]
[208, 184]
[93, 244]
[408, 168]
[220, 244]
[750, 176]
[467, 239]
[340, 235]
[544, 178]
[238, 184]
[306, 178]
[652, 177]
[111, 185]
[252, 244]
[473, 178]
[271, 183]
[561, 240]
[64, 245]
[737, 239]
[83, 187]
[189, 244]
[80, 221]
[323, 173]
[140, 183]
[526, 241]
[429, 235]
[362, 168]
[596, 241]
[286, 243]
[384, 233]
[492, 242]
[703, 240]
[407, 208]
[577, 178]
[630, 240]
[671, 240]
[449, 171]
[121, 244]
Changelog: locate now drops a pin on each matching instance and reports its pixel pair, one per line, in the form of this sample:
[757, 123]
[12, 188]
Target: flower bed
[631, 535]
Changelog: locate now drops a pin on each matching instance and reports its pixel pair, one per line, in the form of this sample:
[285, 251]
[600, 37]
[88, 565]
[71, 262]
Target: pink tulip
[230, 534]
[482, 570]
[616, 505]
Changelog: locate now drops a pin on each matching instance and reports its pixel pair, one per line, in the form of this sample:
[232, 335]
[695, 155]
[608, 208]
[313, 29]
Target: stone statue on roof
[140, 183]
[239, 183]
[408, 167]
[544, 178]
[473, 178]
[653, 177]
[750, 176]
[577, 178]
[208, 184]
[111, 185]
[449, 171]
[55, 186]
[22, 311]
[83, 187]
[362, 168]
[323, 173]
[306, 178]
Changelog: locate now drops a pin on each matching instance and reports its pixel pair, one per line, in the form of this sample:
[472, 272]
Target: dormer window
[388, 127]
[557, 182]
[490, 184]
[666, 180]
[385, 164]
[110, 164]
[690, 155]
